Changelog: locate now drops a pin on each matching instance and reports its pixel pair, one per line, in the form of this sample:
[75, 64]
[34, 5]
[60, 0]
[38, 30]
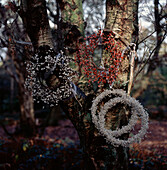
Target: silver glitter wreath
[40, 68]
[137, 111]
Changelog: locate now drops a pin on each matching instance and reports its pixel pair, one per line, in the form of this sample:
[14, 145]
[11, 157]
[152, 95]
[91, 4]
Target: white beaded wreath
[49, 63]
[137, 111]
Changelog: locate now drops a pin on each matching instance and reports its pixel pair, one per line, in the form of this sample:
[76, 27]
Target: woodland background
[52, 140]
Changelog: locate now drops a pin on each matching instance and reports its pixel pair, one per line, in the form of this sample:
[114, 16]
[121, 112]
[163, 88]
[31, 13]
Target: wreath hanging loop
[137, 112]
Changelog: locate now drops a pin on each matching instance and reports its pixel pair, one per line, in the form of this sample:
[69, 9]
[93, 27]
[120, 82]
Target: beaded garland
[137, 112]
[39, 70]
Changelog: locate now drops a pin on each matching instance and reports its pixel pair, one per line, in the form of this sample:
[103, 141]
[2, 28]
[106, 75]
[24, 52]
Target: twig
[147, 37]
[149, 57]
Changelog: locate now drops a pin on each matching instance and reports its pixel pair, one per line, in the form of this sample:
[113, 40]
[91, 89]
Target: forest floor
[156, 138]
[150, 153]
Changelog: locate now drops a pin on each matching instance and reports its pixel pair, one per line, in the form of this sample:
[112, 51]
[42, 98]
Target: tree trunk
[98, 154]
[27, 119]
[72, 13]
[35, 20]
[159, 38]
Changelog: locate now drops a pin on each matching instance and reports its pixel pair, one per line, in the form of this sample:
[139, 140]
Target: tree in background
[161, 32]
[151, 41]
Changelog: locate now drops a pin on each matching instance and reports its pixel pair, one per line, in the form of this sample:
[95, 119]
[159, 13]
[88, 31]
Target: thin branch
[149, 57]
[147, 37]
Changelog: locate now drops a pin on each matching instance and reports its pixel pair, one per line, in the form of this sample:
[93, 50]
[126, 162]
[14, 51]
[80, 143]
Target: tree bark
[34, 16]
[98, 154]
[72, 13]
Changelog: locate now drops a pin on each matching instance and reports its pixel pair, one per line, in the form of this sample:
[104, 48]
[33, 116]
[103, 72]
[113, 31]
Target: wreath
[137, 112]
[105, 70]
[46, 68]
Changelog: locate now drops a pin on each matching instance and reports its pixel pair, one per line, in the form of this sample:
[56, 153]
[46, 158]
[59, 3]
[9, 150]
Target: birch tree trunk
[34, 16]
[97, 153]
